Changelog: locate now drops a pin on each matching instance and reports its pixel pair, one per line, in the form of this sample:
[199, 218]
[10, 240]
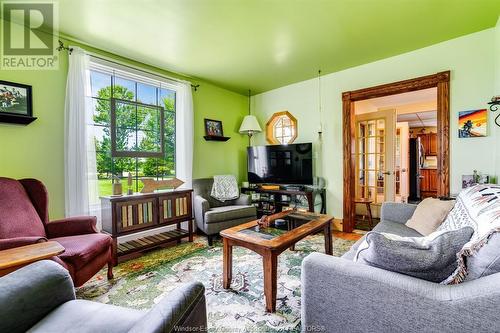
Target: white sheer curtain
[184, 121]
[80, 179]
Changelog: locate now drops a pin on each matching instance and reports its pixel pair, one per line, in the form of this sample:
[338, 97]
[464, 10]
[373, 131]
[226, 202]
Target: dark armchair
[41, 298]
[24, 220]
[213, 216]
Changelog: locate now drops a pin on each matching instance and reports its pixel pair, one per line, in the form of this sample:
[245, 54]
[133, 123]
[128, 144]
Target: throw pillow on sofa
[486, 261]
[429, 215]
[431, 258]
[479, 208]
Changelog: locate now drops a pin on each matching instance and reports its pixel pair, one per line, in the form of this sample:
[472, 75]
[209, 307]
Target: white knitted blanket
[225, 188]
[478, 207]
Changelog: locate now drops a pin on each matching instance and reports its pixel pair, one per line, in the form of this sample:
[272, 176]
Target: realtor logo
[29, 35]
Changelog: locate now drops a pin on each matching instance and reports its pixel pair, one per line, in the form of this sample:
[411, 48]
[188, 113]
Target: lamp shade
[250, 125]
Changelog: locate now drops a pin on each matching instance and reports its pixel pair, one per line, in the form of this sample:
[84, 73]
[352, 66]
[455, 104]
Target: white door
[401, 161]
[374, 153]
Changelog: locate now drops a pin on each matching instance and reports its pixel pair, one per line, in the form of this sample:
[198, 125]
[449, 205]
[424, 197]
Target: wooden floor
[347, 235]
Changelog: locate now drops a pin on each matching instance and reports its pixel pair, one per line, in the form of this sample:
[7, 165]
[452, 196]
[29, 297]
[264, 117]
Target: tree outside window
[138, 129]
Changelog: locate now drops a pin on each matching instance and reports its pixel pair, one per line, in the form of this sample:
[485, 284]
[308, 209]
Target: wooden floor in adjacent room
[347, 235]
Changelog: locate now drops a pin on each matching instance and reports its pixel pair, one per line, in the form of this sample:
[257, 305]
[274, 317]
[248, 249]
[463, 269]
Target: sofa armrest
[397, 212]
[201, 206]
[384, 301]
[72, 226]
[243, 200]
[30, 293]
[9, 243]
[183, 310]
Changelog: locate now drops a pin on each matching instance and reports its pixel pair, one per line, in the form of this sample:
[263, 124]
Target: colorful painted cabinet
[129, 214]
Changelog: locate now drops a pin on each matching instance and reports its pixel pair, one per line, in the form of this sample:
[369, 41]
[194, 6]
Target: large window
[134, 126]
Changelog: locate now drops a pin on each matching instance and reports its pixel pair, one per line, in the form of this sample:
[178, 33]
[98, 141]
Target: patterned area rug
[142, 282]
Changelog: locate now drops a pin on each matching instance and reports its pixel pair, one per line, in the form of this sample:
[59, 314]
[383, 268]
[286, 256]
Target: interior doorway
[396, 144]
[395, 152]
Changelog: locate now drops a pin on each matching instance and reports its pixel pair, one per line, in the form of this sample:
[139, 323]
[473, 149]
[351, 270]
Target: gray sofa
[41, 298]
[213, 216]
[339, 295]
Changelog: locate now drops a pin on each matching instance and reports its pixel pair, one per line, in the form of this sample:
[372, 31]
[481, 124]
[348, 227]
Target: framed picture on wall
[16, 105]
[213, 127]
[473, 124]
[213, 131]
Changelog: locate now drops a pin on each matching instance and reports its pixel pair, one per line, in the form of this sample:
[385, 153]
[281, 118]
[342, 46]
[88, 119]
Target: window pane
[149, 129]
[278, 132]
[146, 94]
[371, 178]
[169, 156]
[148, 118]
[100, 84]
[371, 128]
[370, 161]
[148, 141]
[125, 126]
[122, 166]
[124, 89]
[381, 124]
[167, 99]
[101, 111]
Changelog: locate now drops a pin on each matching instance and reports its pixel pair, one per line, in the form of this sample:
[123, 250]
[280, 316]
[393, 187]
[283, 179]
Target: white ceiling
[395, 101]
[419, 119]
[418, 108]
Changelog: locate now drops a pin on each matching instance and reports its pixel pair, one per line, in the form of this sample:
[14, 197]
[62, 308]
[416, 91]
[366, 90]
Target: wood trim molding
[440, 80]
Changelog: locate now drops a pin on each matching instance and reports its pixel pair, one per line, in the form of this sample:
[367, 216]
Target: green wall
[471, 60]
[37, 150]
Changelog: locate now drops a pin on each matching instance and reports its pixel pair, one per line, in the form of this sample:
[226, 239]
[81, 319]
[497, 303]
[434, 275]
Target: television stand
[270, 202]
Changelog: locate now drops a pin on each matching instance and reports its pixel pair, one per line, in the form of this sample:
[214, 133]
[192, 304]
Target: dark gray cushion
[30, 293]
[486, 261]
[431, 258]
[396, 228]
[389, 227]
[85, 316]
[183, 310]
[227, 213]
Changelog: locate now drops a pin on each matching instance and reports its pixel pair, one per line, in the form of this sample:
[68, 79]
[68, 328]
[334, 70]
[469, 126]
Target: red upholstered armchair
[24, 220]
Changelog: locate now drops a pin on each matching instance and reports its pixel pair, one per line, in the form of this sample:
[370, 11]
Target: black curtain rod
[62, 47]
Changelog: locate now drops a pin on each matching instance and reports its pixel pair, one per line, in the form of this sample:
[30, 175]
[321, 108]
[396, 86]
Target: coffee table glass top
[276, 229]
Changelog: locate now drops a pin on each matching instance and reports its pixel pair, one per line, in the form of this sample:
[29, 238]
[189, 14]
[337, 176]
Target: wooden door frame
[439, 80]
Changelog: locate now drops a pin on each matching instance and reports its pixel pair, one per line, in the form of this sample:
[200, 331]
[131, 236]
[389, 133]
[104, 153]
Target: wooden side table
[15, 258]
[368, 203]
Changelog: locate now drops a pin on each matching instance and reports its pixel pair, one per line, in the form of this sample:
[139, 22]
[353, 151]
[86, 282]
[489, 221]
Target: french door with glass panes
[374, 153]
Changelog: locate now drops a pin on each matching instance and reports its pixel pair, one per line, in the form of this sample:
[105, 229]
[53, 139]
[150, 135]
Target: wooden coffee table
[271, 242]
[15, 258]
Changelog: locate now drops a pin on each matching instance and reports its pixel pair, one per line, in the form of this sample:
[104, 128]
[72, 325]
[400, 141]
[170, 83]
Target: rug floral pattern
[142, 282]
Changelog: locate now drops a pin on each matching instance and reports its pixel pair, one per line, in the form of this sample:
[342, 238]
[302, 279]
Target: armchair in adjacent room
[213, 216]
[24, 220]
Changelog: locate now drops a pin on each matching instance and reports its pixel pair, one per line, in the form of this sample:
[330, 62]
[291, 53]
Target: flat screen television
[280, 164]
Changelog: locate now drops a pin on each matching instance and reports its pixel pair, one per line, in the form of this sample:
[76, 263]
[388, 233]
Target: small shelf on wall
[216, 138]
[16, 119]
